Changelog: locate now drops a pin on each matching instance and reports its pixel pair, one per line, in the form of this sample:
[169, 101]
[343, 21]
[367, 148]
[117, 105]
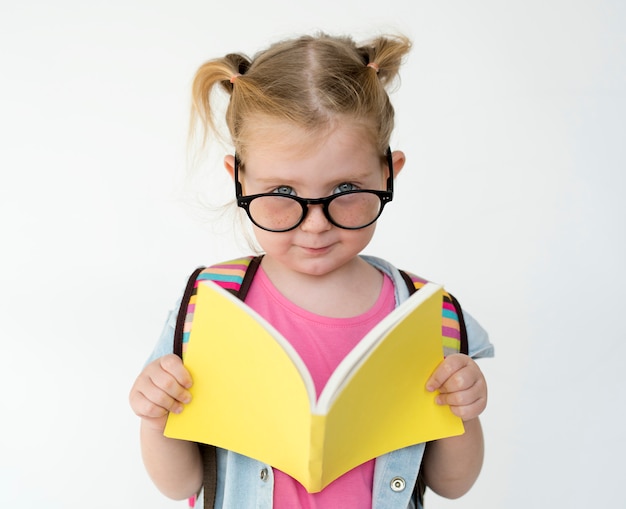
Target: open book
[252, 393]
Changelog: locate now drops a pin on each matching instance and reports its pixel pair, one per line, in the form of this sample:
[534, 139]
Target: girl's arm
[451, 465]
[175, 466]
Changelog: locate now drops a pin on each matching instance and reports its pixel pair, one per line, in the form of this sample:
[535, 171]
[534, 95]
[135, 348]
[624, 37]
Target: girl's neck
[348, 291]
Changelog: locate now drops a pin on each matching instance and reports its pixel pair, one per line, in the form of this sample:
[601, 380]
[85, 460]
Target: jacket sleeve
[165, 344]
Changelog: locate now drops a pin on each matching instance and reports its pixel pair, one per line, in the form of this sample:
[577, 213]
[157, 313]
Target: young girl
[310, 121]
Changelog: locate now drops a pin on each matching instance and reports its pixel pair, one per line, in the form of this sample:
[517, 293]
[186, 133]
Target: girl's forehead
[274, 139]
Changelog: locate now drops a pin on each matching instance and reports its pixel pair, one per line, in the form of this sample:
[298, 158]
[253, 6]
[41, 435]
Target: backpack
[236, 276]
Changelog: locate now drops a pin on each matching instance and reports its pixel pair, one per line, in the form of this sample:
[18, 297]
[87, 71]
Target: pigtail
[383, 56]
[222, 72]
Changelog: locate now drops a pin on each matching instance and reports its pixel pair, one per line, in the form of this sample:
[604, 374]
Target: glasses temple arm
[390, 166]
[238, 188]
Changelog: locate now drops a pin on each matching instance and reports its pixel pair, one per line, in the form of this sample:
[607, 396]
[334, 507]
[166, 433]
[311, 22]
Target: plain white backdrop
[512, 116]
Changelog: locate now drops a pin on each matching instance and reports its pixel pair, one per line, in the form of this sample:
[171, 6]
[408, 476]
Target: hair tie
[234, 77]
[374, 66]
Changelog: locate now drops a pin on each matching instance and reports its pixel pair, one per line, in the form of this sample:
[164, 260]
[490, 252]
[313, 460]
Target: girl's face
[287, 160]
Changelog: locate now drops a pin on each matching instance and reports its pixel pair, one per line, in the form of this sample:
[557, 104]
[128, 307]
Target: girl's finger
[173, 365]
[167, 385]
[446, 370]
[468, 412]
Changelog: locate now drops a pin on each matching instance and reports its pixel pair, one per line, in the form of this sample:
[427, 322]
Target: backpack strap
[181, 318]
[235, 276]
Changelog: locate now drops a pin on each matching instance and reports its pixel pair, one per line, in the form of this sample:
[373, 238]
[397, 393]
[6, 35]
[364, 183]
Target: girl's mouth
[316, 250]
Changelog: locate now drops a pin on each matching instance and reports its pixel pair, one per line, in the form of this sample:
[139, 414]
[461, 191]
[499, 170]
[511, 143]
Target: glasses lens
[355, 210]
[276, 213]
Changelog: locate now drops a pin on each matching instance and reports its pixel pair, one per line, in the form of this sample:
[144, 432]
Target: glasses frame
[385, 197]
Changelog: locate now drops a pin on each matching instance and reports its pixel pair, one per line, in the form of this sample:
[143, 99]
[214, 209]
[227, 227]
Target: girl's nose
[315, 220]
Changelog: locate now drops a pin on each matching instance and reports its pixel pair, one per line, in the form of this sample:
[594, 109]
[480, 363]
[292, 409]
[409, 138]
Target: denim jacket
[245, 482]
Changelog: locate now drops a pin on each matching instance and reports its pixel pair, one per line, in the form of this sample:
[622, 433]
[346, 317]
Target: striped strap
[228, 275]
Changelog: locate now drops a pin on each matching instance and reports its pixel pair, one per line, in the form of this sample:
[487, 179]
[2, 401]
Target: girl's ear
[398, 159]
[229, 164]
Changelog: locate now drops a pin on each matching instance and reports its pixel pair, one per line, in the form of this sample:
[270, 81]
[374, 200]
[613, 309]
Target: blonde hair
[308, 81]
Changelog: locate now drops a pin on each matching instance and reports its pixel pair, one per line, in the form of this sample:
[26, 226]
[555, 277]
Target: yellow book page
[248, 396]
[385, 406]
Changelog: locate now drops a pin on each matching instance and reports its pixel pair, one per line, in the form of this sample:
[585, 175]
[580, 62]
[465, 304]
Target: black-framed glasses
[350, 210]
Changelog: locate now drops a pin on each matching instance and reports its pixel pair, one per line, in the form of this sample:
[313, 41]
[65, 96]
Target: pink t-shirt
[322, 343]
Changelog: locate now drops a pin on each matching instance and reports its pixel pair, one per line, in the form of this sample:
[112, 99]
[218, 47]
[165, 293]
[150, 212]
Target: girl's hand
[162, 387]
[461, 385]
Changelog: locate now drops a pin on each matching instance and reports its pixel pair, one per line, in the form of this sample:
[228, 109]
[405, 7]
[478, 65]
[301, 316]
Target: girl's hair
[308, 81]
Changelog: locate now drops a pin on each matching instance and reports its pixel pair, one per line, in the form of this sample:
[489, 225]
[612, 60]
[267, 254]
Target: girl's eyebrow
[357, 176]
[275, 180]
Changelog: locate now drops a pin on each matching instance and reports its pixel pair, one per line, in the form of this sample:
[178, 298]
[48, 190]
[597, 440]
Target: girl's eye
[346, 186]
[284, 190]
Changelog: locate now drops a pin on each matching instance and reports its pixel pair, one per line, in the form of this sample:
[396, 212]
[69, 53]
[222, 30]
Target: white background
[512, 118]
